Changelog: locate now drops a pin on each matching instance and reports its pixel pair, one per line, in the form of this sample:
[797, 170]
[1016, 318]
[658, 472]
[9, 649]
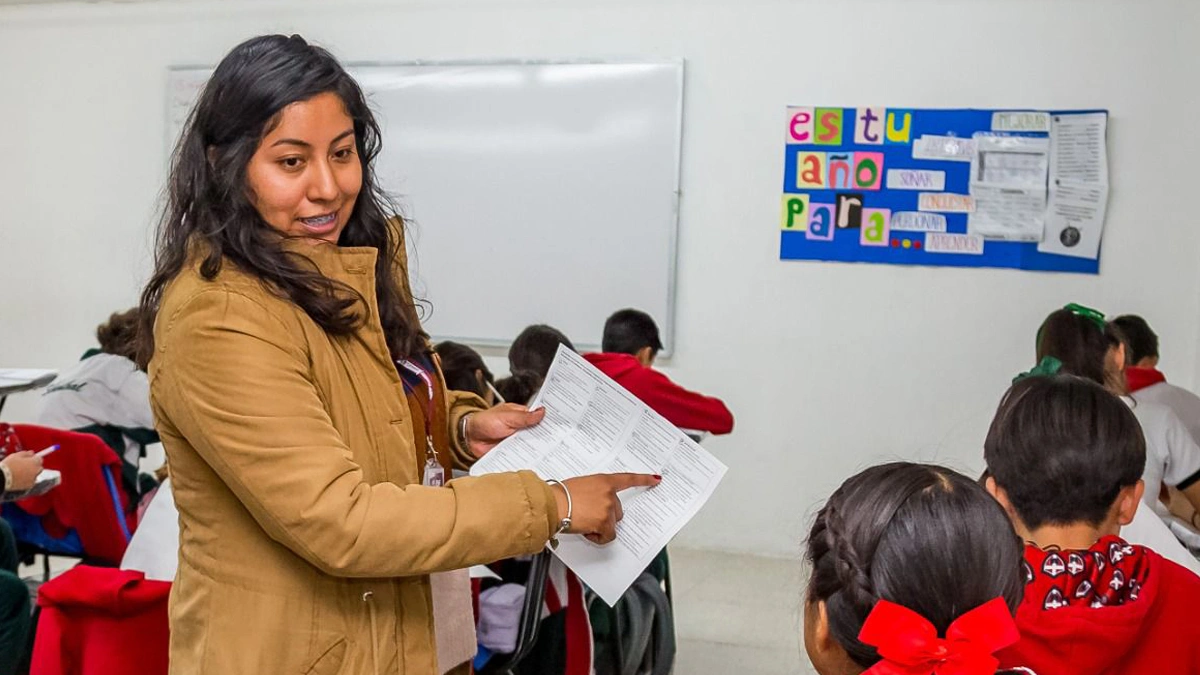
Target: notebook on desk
[46, 481]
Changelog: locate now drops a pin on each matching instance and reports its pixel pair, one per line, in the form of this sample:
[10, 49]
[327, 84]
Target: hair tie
[1093, 315]
[908, 644]
[1047, 367]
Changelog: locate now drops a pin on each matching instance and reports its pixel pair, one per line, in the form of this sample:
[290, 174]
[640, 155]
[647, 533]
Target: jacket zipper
[368, 599]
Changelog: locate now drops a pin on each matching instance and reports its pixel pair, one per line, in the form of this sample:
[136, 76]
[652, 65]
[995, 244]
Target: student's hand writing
[595, 507]
[25, 467]
[488, 427]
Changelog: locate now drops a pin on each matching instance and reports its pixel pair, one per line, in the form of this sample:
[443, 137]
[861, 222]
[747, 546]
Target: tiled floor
[737, 614]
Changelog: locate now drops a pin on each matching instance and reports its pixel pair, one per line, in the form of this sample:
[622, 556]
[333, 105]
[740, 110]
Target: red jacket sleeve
[683, 408]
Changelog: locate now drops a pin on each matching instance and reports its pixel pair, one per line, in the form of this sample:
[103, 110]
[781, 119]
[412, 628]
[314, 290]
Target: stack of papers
[593, 425]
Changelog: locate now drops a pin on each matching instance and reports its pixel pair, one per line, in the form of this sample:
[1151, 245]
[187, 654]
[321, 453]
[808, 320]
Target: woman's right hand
[595, 507]
[25, 467]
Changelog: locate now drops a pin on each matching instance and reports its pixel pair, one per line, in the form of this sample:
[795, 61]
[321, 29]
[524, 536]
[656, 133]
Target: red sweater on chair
[83, 501]
[102, 621]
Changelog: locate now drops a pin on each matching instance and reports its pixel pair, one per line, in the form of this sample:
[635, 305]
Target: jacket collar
[346, 263]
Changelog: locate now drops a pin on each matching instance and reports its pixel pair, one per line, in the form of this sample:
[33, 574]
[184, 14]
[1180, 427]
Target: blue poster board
[840, 204]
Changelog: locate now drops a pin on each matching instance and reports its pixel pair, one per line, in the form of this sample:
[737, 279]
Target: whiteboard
[535, 192]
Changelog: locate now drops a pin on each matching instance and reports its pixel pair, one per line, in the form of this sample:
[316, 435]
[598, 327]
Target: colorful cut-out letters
[875, 229]
[839, 170]
[795, 213]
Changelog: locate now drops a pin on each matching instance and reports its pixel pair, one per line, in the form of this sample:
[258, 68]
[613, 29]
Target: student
[1075, 340]
[534, 349]
[915, 569]
[14, 608]
[465, 370]
[519, 387]
[630, 344]
[1146, 383]
[1065, 459]
[107, 395]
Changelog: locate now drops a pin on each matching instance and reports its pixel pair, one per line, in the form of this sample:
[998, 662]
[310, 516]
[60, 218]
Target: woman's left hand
[488, 427]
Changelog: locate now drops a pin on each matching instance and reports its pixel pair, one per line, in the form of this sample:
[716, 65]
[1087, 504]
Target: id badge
[435, 475]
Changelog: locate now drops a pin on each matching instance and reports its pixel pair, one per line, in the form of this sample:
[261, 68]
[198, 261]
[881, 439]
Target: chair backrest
[91, 502]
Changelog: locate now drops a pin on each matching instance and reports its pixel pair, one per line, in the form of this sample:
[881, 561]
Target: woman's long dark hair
[918, 535]
[209, 203]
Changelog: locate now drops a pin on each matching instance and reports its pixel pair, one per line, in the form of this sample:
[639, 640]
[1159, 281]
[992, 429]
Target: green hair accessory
[1047, 367]
[1095, 316]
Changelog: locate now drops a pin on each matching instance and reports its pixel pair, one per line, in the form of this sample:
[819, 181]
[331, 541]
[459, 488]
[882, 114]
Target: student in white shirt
[1081, 343]
[1146, 382]
[106, 394]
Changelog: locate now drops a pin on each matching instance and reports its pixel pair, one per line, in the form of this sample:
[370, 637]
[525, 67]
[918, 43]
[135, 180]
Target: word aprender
[872, 126]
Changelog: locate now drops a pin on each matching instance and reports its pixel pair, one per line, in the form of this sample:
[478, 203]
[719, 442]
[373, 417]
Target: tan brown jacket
[306, 539]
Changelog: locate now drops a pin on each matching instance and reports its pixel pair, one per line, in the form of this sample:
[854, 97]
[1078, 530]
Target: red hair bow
[909, 644]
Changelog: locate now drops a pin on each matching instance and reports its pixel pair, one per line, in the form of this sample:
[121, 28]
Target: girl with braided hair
[916, 570]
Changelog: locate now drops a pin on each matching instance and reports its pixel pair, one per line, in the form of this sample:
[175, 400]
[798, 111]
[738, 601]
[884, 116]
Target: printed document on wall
[593, 425]
[1008, 182]
[1078, 148]
[1075, 219]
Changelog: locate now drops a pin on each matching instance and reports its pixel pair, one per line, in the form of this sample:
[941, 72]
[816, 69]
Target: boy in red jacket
[1065, 459]
[629, 346]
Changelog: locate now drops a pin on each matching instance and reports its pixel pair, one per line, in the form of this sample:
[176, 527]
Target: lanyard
[435, 474]
[420, 372]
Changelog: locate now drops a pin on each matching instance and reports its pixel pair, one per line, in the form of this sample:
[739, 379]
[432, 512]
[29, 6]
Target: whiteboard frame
[667, 323]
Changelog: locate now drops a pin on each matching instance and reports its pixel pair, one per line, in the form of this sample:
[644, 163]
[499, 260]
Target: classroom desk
[16, 380]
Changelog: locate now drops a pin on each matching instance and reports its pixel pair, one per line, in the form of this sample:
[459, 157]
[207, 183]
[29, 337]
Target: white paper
[947, 148]
[1010, 161]
[1078, 150]
[593, 425]
[1008, 182]
[912, 221]
[154, 548]
[940, 242]
[945, 202]
[1021, 121]
[483, 572]
[915, 179]
[1013, 214]
[1075, 219]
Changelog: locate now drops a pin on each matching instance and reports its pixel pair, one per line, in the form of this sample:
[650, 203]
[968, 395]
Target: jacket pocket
[330, 661]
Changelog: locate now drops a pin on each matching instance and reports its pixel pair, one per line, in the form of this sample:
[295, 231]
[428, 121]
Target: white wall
[827, 367]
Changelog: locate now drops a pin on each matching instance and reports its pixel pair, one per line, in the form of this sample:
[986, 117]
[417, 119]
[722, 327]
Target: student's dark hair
[119, 335]
[1062, 448]
[209, 206]
[629, 330]
[534, 349]
[459, 364]
[1080, 344]
[519, 387]
[921, 536]
[1141, 341]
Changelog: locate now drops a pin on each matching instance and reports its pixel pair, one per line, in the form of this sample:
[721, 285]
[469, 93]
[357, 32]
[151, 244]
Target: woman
[307, 429]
